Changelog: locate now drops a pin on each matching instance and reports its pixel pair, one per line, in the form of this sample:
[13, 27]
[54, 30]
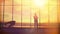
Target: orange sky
[38, 6]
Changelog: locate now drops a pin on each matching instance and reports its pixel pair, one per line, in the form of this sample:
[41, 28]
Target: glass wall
[23, 11]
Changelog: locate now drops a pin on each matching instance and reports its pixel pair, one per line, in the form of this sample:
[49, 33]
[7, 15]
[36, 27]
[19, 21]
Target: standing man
[35, 21]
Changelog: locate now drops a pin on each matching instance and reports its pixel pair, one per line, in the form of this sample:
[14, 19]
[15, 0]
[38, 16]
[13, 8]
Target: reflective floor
[17, 30]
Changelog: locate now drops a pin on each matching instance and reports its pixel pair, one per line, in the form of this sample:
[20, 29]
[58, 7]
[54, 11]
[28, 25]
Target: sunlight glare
[40, 3]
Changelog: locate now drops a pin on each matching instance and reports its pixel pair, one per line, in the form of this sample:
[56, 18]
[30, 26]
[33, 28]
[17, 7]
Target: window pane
[23, 2]
[1, 2]
[8, 13]
[17, 2]
[53, 2]
[53, 13]
[43, 16]
[8, 2]
[26, 15]
[17, 13]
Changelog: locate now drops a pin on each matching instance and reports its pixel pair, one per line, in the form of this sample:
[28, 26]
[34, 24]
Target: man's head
[35, 14]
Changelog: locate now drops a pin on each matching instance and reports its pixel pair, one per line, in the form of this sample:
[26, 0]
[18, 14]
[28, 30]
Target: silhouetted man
[35, 21]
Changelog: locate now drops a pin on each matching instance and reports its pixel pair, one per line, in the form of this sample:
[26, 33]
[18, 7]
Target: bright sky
[38, 6]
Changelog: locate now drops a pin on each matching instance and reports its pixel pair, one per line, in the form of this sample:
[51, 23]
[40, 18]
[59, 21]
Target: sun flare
[39, 3]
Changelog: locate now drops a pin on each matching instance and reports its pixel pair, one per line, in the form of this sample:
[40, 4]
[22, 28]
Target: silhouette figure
[35, 21]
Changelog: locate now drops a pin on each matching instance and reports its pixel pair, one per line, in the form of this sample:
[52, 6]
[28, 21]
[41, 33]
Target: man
[35, 21]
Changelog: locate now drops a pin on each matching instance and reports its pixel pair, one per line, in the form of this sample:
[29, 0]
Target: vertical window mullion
[21, 13]
[48, 13]
[12, 9]
[30, 15]
[30, 18]
[3, 9]
[38, 19]
[58, 19]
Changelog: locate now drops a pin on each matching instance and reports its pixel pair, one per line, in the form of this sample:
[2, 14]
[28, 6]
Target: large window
[22, 11]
